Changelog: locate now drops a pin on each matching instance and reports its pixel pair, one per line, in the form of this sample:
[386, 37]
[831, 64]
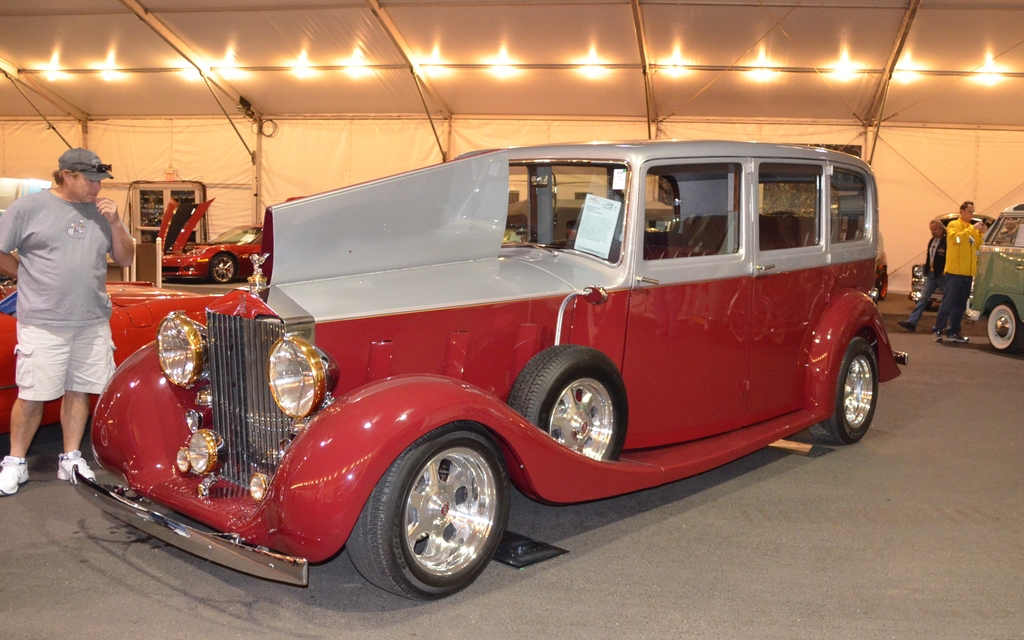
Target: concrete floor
[916, 532]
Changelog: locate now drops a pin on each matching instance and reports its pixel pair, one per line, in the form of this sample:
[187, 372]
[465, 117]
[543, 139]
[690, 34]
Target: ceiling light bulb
[503, 66]
[301, 66]
[762, 71]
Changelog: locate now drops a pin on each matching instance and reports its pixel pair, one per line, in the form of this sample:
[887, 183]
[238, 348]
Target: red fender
[849, 314]
[331, 469]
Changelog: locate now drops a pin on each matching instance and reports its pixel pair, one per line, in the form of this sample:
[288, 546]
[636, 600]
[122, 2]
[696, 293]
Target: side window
[789, 197]
[692, 210]
[848, 206]
[576, 207]
[1009, 233]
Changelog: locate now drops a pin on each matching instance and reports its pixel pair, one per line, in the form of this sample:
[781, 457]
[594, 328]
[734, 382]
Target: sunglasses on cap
[99, 168]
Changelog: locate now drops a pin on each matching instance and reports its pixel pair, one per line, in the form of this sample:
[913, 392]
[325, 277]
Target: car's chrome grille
[244, 411]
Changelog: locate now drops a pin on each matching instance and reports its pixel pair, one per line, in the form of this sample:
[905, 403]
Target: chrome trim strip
[561, 315]
[221, 548]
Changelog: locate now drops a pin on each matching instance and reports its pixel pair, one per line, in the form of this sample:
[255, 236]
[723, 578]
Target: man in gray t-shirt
[62, 238]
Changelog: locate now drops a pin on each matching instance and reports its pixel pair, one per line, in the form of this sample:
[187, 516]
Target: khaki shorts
[52, 360]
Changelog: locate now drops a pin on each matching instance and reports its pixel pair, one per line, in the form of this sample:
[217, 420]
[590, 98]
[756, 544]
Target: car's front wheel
[223, 268]
[435, 519]
[856, 396]
[1005, 331]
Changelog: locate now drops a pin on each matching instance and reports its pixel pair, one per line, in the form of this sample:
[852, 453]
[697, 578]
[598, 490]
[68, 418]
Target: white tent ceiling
[956, 62]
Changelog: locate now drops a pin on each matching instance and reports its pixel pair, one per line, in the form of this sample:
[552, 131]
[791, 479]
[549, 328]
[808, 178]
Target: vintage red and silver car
[580, 321]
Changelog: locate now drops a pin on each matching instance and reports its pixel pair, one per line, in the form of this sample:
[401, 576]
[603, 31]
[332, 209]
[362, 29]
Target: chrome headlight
[258, 485]
[181, 345]
[202, 450]
[182, 460]
[918, 271]
[300, 376]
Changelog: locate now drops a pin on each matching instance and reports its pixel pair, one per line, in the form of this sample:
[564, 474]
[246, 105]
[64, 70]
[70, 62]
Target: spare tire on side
[576, 395]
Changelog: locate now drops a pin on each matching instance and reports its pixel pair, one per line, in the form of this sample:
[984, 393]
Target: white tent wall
[921, 171]
[312, 156]
[472, 134]
[924, 172]
[203, 150]
[29, 149]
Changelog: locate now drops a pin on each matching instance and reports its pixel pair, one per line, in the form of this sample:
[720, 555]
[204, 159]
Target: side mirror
[595, 295]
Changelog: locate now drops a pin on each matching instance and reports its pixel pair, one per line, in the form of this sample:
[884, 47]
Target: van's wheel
[1005, 331]
[575, 394]
[223, 268]
[856, 396]
[436, 517]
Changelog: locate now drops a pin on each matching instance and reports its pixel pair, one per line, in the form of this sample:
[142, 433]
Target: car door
[789, 284]
[686, 354]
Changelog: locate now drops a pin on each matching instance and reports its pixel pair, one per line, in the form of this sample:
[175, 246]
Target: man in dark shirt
[934, 273]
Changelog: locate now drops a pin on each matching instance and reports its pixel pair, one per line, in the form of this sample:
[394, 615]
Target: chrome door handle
[1019, 267]
[767, 267]
[646, 280]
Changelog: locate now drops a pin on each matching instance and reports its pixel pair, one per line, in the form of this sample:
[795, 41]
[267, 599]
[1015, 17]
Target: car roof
[641, 151]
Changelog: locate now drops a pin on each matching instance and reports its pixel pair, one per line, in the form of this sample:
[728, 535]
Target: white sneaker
[68, 462]
[14, 473]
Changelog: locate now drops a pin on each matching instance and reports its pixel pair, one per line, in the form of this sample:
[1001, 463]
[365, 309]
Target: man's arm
[9, 264]
[123, 248]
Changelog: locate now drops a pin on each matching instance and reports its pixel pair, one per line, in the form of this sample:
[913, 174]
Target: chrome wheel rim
[583, 418]
[222, 269]
[858, 391]
[450, 511]
[1001, 327]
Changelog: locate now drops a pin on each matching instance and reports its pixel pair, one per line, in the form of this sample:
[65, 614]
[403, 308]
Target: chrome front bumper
[222, 548]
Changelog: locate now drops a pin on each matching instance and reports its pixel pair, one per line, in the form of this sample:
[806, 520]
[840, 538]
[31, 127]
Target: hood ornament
[257, 281]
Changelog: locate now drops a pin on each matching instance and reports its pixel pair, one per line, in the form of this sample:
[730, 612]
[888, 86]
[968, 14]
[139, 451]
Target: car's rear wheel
[576, 394]
[882, 284]
[1005, 331]
[223, 268]
[436, 517]
[856, 396]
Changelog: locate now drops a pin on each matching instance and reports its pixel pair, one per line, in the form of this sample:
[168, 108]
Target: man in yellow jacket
[963, 239]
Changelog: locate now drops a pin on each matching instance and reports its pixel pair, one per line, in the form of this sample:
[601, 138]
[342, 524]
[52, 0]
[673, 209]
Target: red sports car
[138, 310]
[224, 259]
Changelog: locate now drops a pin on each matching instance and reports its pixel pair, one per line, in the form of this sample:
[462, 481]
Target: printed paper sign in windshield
[597, 226]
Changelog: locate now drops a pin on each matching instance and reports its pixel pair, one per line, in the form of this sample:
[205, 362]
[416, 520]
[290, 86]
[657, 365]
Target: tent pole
[645, 63]
[49, 124]
[878, 104]
[252, 154]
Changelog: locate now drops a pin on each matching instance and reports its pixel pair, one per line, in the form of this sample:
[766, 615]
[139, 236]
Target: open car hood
[447, 213]
[178, 223]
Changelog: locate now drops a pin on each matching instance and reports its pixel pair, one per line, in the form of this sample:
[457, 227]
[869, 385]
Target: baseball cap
[85, 162]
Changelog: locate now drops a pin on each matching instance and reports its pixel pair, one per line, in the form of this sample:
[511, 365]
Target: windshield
[240, 235]
[570, 206]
